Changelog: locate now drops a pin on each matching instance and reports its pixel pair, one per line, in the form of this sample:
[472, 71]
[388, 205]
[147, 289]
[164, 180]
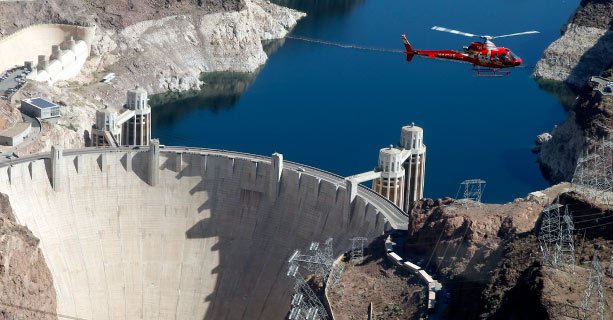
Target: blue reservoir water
[334, 108]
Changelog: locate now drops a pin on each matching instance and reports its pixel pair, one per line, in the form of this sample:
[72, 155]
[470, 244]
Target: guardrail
[432, 285]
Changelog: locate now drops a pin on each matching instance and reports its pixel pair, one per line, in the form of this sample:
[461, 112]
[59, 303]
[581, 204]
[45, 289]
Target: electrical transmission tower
[471, 190]
[593, 175]
[549, 236]
[320, 261]
[566, 247]
[305, 304]
[357, 249]
[594, 293]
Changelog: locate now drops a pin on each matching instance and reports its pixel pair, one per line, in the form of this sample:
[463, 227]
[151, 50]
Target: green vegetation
[390, 311]
[215, 77]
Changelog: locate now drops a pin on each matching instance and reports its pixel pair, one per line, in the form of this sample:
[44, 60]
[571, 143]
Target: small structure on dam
[131, 126]
[400, 173]
[182, 233]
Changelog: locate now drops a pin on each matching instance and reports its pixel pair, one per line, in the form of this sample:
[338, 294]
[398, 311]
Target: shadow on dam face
[209, 241]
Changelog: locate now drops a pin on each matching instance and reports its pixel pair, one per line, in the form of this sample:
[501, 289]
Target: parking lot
[11, 81]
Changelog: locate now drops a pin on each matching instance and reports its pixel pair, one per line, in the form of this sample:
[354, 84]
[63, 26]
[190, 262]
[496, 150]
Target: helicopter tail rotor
[409, 49]
[407, 45]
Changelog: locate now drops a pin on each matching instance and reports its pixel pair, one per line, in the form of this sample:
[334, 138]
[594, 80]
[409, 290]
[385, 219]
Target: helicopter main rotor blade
[515, 34]
[454, 31]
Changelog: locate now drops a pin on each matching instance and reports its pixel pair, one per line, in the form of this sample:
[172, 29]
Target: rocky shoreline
[167, 53]
[170, 54]
[585, 47]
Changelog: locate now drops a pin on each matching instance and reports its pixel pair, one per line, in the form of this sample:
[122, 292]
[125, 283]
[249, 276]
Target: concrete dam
[182, 233]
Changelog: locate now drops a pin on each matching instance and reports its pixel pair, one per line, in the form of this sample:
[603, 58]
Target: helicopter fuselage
[481, 54]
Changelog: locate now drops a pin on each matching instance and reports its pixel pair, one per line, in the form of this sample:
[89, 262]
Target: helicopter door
[483, 57]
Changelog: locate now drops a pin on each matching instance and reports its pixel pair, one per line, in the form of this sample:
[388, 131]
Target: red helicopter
[487, 59]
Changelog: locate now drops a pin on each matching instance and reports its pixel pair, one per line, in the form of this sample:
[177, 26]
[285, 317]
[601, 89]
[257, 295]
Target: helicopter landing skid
[490, 72]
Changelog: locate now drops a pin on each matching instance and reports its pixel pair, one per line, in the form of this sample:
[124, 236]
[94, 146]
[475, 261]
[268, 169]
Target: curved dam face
[28, 43]
[179, 234]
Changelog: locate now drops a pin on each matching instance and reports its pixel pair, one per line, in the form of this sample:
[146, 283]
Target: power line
[344, 45]
[595, 226]
[594, 293]
[437, 242]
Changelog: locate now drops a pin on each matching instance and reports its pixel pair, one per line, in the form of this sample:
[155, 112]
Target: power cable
[344, 45]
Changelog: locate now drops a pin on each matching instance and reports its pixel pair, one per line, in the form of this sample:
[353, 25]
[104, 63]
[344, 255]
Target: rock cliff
[107, 14]
[161, 46]
[169, 54]
[589, 120]
[26, 285]
[488, 260]
[461, 246]
[585, 47]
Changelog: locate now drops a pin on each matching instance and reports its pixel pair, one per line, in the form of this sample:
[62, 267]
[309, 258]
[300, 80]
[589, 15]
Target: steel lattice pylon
[357, 249]
[319, 260]
[594, 293]
[549, 236]
[305, 304]
[471, 190]
[566, 247]
[593, 175]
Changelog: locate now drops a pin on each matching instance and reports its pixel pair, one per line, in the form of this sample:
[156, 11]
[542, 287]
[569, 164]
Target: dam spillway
[208, 239]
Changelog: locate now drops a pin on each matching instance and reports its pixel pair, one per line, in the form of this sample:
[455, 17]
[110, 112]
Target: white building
[40, 108]
[16, 134]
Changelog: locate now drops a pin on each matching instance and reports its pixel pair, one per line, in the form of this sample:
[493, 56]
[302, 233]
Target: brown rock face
[26, 285]
[463, 245]
[590, 120]
[106, 13]
[594, 113]
[594, 13]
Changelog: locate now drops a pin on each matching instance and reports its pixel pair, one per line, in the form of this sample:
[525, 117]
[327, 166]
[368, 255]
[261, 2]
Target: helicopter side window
[504, 57]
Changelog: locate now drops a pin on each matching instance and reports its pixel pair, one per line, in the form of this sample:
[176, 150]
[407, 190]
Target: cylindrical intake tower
[137, 131]
[391, 183]
[106, 121]
[412, 138]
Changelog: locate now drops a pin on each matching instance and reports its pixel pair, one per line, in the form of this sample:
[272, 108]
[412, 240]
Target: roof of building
[41, 103]
[138, 89]
[390, 150]
[15, 130]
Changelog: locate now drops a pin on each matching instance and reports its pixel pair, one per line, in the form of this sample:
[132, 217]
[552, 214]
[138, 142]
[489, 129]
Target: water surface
[335, 108]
